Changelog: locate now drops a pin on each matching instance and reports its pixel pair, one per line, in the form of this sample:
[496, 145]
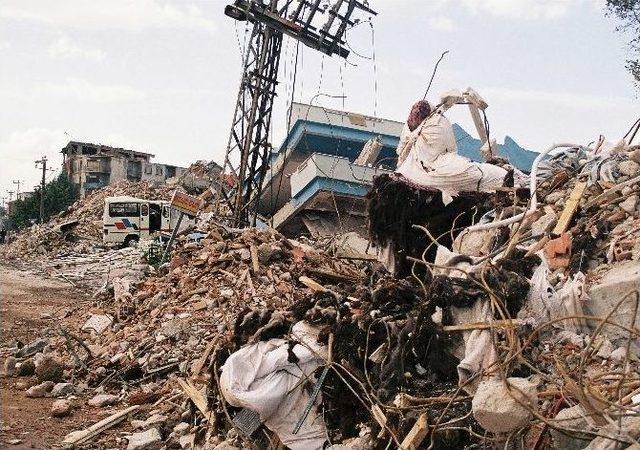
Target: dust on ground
[29, 304]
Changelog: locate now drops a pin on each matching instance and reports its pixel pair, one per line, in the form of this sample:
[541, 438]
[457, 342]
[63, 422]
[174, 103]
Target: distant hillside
[470, 147]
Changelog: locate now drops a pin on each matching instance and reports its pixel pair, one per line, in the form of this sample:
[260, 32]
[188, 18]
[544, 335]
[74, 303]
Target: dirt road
[30, 304]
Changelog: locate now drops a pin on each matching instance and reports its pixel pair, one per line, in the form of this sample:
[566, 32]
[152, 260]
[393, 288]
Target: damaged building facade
[93, 166]
[321, 173]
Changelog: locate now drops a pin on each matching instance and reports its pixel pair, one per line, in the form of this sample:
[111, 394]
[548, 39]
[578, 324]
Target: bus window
[144, 210]
[165, 212]
[124, 209]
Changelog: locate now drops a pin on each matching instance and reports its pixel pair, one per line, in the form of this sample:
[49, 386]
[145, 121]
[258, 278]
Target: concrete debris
[101, 400]
[63, 390]
[146, 440]
[494, 304]
[573, 418]
[501, 406]
[97, 323]
[40, 390]
[49, 369]
[61, 408]
[10, 366]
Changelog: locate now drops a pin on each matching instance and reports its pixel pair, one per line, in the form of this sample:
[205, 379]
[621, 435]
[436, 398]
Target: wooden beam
[254, 259]
[203, 360]
[196, 397]
[570, 208]
[77, 437]
[417, 434]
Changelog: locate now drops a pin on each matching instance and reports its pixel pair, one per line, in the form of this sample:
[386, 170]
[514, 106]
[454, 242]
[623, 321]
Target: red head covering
[419, 112]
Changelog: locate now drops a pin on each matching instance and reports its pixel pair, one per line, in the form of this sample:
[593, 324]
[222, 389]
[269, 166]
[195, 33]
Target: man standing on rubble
[3, 235]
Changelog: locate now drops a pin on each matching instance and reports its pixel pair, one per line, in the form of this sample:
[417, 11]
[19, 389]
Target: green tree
[628, 12]
[59, 194]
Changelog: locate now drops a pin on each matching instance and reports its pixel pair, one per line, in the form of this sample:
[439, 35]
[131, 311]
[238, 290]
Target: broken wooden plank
[77, 437]
[313, 285]
[254, 258]
[417, 434]
[570, 208]
[205, 356]
[196, 397]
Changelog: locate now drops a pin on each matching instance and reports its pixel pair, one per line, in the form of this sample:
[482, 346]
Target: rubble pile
[521, 332]
[79, 228]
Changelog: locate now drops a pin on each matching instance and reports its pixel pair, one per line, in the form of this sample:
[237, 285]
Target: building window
[148, 169]
[124, 210]
[158, 170]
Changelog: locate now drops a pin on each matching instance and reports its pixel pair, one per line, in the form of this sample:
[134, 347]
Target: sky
[162, 76]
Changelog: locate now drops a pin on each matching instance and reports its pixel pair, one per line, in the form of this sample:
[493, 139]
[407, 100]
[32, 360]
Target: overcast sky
[162, 76]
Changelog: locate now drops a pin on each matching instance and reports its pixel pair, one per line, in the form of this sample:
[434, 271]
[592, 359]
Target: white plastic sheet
[260, 377]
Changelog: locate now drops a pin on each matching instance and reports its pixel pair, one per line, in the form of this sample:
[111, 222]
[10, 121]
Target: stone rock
[187, 441]
[155, 419]
[225, 445]
[544, 223]
[10, 366]
[98, 323]
[49, 369]
[629, 168]
[63, 389]
[181, 429]
[618, 355]
[103, 400]
[268, 252]
[26, 368]
[40, 390]
[498, 409]
[32, 348]
[475, 243]
[606, 348]
[618, 283]
[629, 205]
[574, 418]
[630, 427]
[145, 440]
[61, 408]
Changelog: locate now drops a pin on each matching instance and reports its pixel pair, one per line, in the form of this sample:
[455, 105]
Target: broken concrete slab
[502, 406]
[98, 323]
[63, 389]
[40, 390]
[572, 418]
[32, 348]
[103, 400]
[145, 440]
[622, 281]
[61, 408]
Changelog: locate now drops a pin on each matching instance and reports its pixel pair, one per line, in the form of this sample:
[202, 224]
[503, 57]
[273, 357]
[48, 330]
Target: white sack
[479, 352]
[260, 377]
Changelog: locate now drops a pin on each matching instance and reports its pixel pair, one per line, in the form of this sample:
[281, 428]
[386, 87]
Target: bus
[127, 220]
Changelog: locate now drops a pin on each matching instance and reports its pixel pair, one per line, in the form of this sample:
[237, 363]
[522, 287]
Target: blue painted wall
[312, 137]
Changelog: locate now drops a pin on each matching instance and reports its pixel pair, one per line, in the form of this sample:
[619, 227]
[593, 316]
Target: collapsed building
[504, 313]
[320, 175]
[94, 166]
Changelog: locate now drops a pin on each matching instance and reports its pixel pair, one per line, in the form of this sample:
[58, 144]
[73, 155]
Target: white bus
[126, 220]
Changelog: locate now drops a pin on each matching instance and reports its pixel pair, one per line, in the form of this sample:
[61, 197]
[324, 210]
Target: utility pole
[42, 161]
[17, 182]
[10, 195]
